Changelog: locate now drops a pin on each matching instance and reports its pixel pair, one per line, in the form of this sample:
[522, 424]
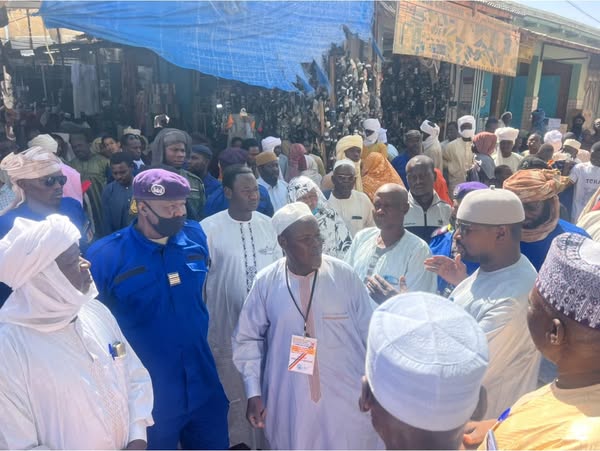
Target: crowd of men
[437, 296]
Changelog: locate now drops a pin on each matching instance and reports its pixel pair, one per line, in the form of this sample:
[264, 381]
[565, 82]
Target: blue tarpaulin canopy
[261, 43]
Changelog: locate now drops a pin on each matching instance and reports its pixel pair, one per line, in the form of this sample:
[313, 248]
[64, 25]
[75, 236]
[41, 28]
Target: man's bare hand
[380, 290]
[256, 413]
[452, 271]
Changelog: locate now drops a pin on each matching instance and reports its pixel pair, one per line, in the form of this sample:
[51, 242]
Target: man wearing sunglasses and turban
[37, 181]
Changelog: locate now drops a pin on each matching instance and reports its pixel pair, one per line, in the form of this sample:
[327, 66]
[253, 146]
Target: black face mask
[167, 226]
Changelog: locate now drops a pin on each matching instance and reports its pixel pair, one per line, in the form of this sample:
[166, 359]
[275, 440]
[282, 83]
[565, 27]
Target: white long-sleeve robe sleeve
[249, 340]
[63, 390]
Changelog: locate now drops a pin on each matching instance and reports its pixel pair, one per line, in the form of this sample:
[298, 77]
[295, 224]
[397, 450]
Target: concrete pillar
[530, 102]
[575, 103]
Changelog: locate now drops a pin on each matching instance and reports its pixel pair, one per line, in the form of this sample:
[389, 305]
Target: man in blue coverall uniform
[151, 276]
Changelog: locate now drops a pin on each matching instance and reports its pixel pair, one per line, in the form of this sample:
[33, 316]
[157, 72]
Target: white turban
[554, 138]
[466, 119]
[269, 143]
[33, 163]
[372, 124]
[426, 358]
[288, 215]
[42, 297]
[431, 130]
[46, 142]
[382, 136]
[375, 126]
[507, 134]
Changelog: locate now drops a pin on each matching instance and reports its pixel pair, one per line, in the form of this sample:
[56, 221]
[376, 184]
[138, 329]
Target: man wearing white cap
[372, 142]
[505, 155]
[488, 228]
[426, 358]
[572, 149]
[241, 242]
[458, 155]
[68, 379]
[431, 144]
[564, 323]
[300, 344]
[353, 206]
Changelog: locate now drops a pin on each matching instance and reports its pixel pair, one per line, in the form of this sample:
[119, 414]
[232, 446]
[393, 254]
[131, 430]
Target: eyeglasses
[53, 179]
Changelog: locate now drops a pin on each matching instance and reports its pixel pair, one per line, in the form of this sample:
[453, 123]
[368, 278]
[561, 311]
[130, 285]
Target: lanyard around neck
[312, 292]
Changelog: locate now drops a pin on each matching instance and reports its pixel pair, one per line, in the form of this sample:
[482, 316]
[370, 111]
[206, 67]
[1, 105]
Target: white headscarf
[464, 120]
[375, 126]
[269, 143]
[42, 298]
[507, 134]
[432, 131]
[554, 138]
[33, 163]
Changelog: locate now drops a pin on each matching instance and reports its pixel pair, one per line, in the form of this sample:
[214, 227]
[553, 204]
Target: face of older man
[75, 268]
[46, 191]
[303, 245]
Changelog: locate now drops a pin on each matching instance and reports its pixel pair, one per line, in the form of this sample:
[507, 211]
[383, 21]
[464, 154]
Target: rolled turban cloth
[345, 143]
[553, 137]
[348, 142]
[31, 164]
[537, 185]
[269, 143]
[430, 128]
[485, 142]
[43, 298]
[46, 142]
[534, 185]
[466, 119]
[372, 124]
[507, 134]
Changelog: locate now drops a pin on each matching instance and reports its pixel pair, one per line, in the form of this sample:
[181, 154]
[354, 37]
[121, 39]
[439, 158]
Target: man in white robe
[354, 207]
[431, 143]
[507, 137]
[488, 228]
[304, 297]
[68, 379]
[458, 154]
[241, 242]
[386, 255]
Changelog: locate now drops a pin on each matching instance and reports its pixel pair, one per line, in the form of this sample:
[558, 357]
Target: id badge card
[303, 352]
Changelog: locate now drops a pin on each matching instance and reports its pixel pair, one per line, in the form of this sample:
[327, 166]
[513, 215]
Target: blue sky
[584, 11]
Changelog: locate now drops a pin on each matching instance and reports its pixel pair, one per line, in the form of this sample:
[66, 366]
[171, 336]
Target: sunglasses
[53, 179]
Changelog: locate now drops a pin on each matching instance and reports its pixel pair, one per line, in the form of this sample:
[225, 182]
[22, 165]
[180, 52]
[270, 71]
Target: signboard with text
[449, 32]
